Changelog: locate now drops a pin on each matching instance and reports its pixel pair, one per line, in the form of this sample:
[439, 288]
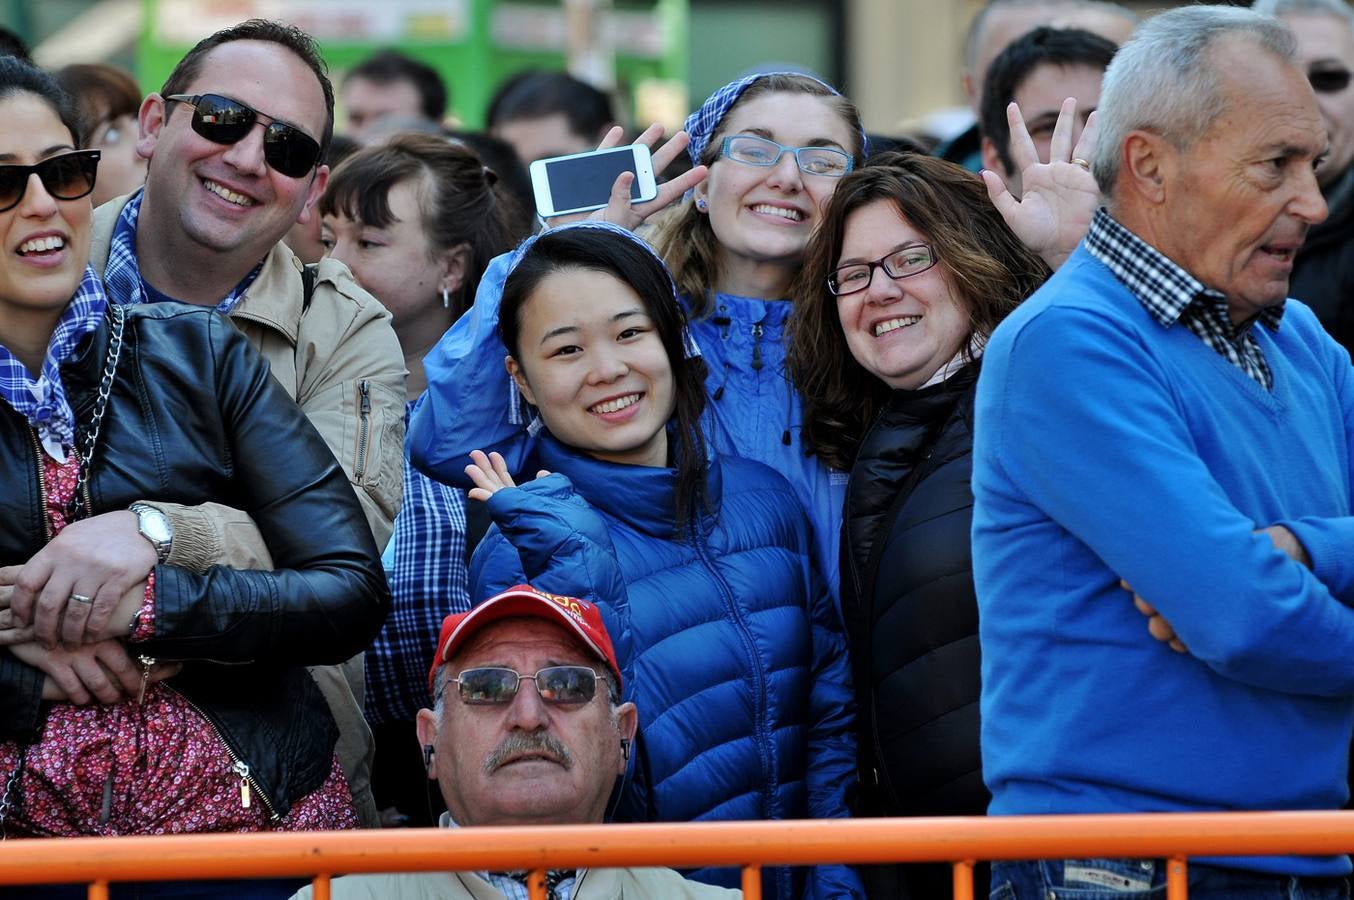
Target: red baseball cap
[581, 618]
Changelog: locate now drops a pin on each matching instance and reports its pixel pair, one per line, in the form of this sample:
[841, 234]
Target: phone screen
[587, 180]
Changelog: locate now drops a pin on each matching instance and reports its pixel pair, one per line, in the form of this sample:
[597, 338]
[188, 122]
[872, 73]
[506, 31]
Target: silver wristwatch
[154, 527]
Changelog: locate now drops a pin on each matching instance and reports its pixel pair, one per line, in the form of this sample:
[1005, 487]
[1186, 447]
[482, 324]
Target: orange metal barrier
[751, 845]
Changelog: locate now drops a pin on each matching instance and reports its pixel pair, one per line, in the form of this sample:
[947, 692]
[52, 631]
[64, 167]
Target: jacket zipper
[759, 697]
[757, 347]
[42, 486]
[363, 427]
[248, 786]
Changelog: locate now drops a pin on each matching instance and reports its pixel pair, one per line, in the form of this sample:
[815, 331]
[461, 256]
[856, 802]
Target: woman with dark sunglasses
[189, 708]
[729, 639]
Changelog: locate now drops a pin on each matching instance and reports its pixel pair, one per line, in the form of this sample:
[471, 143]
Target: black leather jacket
[194, 416]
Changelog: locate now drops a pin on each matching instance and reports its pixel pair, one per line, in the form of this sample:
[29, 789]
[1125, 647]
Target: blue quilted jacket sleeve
[467, 403]
[548, 536]
[832, 740]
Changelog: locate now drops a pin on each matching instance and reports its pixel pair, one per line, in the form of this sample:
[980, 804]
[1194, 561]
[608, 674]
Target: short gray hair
[1338, 8]
[1162, 80]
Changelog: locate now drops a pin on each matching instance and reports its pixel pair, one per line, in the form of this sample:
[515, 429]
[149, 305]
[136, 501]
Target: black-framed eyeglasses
[66, 176]
[901, 263]
[222, 120]
[555, 684]
[1329, 81]
[758, 151]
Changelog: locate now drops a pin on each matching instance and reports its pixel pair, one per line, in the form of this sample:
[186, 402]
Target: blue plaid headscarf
[702, 124]
[691, 349]
[42, 401]
[122, 274]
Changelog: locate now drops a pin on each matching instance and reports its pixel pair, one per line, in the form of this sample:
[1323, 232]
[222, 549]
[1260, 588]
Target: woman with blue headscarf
[776, 146]
[703, 561]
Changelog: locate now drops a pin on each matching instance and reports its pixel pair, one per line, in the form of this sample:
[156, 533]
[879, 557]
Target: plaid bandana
[122, 276]
[691, 349]
[702, 123]
[43, 401]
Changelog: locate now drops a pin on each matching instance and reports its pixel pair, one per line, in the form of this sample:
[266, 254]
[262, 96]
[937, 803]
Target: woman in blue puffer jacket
[731, 644]
[776, 146]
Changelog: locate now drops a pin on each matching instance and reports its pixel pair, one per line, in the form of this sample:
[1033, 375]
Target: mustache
[532, 743]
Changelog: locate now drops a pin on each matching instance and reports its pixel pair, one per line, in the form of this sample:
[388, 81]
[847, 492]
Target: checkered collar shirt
[122, 275]
[425, 563]
[42, 400]
[1173, 295]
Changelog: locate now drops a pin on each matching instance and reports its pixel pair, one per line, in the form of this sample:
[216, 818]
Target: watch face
[154, 525]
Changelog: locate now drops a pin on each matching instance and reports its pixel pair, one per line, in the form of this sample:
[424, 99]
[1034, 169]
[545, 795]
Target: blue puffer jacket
[754, 411]
[736, 658]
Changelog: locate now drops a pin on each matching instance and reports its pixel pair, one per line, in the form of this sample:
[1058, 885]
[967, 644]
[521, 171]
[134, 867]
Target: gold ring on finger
[1078, 161]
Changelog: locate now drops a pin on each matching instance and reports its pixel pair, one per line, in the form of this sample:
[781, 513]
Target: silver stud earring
[701, 205]
[446, 299]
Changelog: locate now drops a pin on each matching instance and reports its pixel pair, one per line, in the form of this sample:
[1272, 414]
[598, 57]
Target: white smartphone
[582, 182]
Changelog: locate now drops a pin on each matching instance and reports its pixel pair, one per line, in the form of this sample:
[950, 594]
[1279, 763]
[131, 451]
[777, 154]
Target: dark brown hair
[457, 198]
[683, 236]
[986, 267]
[101, 92]
[289, 36]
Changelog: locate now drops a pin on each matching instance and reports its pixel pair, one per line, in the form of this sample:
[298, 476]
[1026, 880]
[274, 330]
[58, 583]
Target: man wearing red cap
[504, 753]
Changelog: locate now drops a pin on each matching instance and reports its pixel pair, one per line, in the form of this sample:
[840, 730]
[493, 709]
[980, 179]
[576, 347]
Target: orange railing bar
[1175, 837]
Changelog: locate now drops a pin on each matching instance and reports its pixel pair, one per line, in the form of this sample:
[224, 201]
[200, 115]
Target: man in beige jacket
[234, 141]
[504, 753]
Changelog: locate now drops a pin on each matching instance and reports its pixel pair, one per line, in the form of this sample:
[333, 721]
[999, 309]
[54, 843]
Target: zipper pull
[146, 663]
[241, 768]
[106, 807]
[364, 393]
[756, 348]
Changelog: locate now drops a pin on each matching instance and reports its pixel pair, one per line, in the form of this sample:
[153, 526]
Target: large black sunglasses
[68, 176]
[556, 684]
[222, 120]
[1329, 81]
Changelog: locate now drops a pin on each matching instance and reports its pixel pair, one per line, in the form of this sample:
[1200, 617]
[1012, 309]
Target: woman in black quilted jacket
[912, 269]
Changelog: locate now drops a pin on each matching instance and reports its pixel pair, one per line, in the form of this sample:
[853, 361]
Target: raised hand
[1059, 196]
[490, 474]
[619, 210]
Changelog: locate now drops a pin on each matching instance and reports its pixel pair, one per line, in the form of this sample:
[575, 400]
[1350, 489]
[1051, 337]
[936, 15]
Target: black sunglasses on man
[222, 120]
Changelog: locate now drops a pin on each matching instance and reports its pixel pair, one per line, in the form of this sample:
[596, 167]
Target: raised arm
[469, 403]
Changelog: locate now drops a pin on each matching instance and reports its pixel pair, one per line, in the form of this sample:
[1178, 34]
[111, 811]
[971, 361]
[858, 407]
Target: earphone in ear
[625, 749]
[427, 755]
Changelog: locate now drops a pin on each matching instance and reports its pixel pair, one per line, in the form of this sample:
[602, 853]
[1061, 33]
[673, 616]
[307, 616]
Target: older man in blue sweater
[1158, 416]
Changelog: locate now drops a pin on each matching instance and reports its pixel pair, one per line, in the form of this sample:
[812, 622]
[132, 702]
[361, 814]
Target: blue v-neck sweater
[1108, 447]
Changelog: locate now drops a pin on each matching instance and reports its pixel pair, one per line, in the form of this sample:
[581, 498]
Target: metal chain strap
[85, 453]
[7, 801]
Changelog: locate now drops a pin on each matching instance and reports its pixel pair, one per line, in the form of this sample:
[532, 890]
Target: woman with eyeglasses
[911, 270]
[189, 708]
[775, 148]
[416, 219]
[730, 643]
